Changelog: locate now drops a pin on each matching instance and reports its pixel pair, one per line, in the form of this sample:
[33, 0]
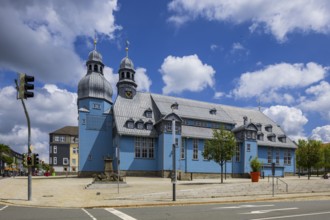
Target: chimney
[245, 118]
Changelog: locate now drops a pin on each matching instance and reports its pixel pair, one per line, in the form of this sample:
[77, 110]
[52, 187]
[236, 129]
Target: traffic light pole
[29, 149]
[29, 152]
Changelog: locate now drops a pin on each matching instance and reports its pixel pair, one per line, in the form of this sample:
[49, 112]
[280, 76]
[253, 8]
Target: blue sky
[228, 52]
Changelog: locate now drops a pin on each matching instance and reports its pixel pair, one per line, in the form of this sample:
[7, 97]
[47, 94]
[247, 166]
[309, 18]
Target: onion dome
[94, 84]
[126, 63]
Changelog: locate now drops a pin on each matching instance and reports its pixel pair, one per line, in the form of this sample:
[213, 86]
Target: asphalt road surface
[316, 210]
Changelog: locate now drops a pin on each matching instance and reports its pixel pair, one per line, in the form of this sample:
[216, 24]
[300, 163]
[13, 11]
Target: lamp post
[174, 161]
[174, 174]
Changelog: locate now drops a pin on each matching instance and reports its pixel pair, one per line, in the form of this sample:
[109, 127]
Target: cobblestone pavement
[137, 191]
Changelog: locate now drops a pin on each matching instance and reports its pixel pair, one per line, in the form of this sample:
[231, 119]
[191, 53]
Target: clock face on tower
[128, 94]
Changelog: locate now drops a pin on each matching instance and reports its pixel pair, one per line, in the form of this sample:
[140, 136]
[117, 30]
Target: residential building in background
[63, 149]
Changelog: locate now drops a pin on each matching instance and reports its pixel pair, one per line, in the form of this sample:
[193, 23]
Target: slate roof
[160, 105]
[125, 109]
[68, 130]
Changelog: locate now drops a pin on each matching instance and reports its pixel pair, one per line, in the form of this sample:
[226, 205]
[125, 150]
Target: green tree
[308, 154]
[4, 149]
[220, 148]
[325, 154]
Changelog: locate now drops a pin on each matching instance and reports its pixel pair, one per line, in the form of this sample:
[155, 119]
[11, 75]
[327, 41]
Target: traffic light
[35, 159]
[25, 86]
[25, 160]
[29, 160]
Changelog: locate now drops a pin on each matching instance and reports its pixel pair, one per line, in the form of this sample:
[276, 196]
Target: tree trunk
[309, 173]
[221, 165]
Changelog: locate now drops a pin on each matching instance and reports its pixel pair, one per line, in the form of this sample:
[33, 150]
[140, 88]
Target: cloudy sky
[246, 53]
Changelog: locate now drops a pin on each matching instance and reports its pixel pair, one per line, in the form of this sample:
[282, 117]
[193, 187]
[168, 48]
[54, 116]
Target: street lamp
[174, 106]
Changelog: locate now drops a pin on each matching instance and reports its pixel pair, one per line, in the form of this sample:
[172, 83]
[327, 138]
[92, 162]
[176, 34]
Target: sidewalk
[138, 191]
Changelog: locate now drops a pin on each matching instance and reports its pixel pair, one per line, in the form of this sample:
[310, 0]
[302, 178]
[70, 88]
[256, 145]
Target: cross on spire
[95, 40]
[127, 45]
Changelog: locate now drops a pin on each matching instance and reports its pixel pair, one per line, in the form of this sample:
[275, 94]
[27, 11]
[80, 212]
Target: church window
[287, 157]
[101, 69]
[182, 148]
[248, 147]
[237, 153]
[95, 68]
[277, 154]
[122, 75]
[127, 75]
[133, 77]
[195, 149]
[269, 155]
[144, 147]
[89, 67]
[96, 106]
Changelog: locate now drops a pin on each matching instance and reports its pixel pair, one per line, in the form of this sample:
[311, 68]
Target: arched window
[89, 67]
[101, 69]
[122, 75]
[95, 68]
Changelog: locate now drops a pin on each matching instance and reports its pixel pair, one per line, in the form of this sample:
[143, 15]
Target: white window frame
[195, 149]
[56, 138]
[65, 161]
[96, 106]
[62, 138]
[55, 149]
[74, 161]
[238, 153]
[182, 148]
[55, 160]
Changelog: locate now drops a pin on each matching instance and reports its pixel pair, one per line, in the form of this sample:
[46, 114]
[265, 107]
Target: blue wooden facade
[139, 125]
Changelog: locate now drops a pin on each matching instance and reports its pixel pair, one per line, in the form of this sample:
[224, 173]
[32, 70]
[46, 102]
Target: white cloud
[218, 95]
[291, 119]
[277, 17]
[213, 47]
[142, 79]
[318, 99]
[321, 134]
[49, 27]
[271, 83]
[112, 78]
[237, 46]
[186, 73]
[50, 109]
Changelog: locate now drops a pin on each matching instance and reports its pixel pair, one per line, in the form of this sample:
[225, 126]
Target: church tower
[95, 117]
[126, 85]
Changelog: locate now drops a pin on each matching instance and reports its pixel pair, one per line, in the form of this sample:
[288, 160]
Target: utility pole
[24, 93]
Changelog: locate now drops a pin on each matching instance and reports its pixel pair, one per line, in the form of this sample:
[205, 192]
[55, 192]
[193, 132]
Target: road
[302, 210]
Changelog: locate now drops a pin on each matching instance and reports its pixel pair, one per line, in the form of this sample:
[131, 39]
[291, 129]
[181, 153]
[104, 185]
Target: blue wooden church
[135, 130]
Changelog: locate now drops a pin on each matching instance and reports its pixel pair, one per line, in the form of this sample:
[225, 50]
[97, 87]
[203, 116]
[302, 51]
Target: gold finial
[95, 40]
[127, 45]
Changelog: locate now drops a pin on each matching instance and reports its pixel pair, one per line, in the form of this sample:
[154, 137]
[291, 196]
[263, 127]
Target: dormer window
[148, 113]
[269, 128]
[130, 123]
[271, 137]
[213, 111]
[259, 126]
[260, 136]
[139, 124]
[282, 138]
[148, 125]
